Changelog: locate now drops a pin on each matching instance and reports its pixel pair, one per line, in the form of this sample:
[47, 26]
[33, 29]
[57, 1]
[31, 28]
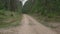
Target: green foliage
[10, 13]
[9, 18]
[49, 8]
[1, 4]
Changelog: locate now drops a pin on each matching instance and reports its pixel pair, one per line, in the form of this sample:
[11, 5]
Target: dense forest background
[47, 10]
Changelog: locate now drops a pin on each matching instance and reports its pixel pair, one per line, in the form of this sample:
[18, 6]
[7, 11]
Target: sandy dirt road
[28, 26]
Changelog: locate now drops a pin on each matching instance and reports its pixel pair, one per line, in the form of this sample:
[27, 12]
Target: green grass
[9, 18]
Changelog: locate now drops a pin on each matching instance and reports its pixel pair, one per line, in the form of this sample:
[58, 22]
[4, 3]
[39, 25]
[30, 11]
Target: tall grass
[9, 18]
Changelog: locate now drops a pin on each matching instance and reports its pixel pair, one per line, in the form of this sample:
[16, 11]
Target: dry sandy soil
[28, 26]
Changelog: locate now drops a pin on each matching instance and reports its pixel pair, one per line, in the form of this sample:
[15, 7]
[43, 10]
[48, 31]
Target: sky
[23, 2]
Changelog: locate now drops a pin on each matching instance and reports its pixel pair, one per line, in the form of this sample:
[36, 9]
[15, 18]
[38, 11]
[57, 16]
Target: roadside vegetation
[10, 13]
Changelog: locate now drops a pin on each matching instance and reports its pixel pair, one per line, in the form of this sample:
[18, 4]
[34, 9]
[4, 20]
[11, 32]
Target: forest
[47, 10]
[12, 10]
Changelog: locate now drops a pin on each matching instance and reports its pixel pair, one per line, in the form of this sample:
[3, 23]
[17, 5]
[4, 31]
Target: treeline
[12, 5]
[49, 8]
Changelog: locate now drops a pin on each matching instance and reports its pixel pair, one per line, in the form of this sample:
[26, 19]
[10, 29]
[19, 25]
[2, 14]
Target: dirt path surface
[28, 26]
